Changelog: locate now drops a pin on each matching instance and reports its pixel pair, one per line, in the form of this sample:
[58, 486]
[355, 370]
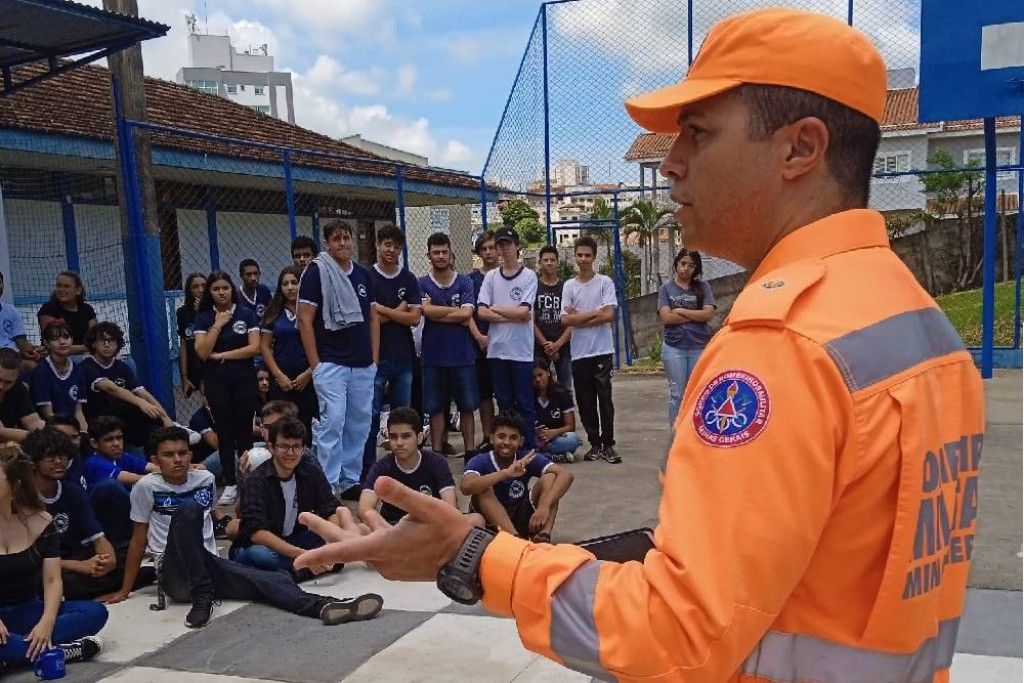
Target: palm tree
[602, 211]
[644, 218]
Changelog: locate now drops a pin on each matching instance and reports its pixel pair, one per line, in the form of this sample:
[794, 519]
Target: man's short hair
[547, 249]
[10, 359]
[56, 329]
[405, 416]
[439, 239]
[390, 232]
[481, 239]
[335, 226]
[587, 241]
[104, 330]
[853, 137]
[279, 407]
[289, 428]
[43, 442]
[159, 436]
[104, 424]
[247, 263]
[303, 242]
[63, 420]
[510, 419]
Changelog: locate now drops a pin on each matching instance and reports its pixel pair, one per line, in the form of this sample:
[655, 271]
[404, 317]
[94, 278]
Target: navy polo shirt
[61, 392]
[395, 339]
[287, 345]
[448, 345]
[234, 335]
[349, 346]
[258, 304]
[118, 372]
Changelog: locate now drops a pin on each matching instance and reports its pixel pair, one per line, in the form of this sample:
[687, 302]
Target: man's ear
[807, 142]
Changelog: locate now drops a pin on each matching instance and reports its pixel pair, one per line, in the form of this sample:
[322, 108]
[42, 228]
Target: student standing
[506, 302]
[303, 251]
[588, 307]
[189, 365]
[449, 353]
[67, 304]
[341, 340]
[485, 248]
[57, 383]
[551, 335]
[255, 294]
[685, 305]
[281, 346]
[227, 338]
[397, 303]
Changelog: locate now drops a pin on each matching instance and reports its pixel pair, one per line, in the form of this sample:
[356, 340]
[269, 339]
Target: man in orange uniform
[820, 496]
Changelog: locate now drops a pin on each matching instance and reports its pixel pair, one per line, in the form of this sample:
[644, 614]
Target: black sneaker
[199, 615]
[609, 455]
[593, 454]
[448, 449]
[81, 650]
[351, 609]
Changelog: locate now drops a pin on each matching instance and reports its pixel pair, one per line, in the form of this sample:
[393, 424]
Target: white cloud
[407, 75]
[456, 154]
[440, 95]
[329, 20]
[413, 18]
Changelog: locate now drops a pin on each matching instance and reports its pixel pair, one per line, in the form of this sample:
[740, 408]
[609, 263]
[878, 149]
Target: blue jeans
[393, 379]
[212, 465]
[112, 505]
[262, 557]
[563, 443]
[75, 619]
[513, 390]
[679, 365]
[345, 411]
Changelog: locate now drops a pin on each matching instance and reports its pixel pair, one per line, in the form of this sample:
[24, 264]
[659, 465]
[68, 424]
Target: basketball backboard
[972, 59]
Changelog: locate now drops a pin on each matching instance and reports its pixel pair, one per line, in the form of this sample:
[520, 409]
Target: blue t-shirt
[259, 304]
[118, 372]
[690, 335]
[349, 346]
[11, 326]
[511, 491]
[395, 339]
[234, 335]
[61, 392]
[288, 352]
[74, 521]
[98, 468]
[552, 413]
[201, 422]
[448, 345]
[431, 476]
[477, 276]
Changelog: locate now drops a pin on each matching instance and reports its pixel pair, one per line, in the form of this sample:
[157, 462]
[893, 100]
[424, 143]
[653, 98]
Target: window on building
[892, 162]
[204, 86]
[260, 108]
[1005, 156]
[258, 89]
[232, 89]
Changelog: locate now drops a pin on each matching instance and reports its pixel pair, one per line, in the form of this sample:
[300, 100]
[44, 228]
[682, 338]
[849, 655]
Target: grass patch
[964, 311]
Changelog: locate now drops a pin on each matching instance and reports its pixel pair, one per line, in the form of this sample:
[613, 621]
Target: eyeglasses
[688, 266]
[289, 449]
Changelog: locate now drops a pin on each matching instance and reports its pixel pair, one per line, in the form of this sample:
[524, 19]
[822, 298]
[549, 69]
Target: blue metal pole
[989, 263]
[1019, 242]
[67, 214]
[400, 202]
[289, 193]
[316, 228]
[849, 12]
[547, 128]
[621, 284]
[689, 32]
[211, 229]
[483, 203]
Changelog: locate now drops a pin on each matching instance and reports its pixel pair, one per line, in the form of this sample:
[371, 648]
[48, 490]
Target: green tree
[516, 210]
[531, 232]
[602, 211]
[565, 270]
[644, 218]
[959, 194]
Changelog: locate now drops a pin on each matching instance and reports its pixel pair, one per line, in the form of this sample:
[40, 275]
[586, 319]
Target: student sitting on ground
[17, 413]
[68, 426]
[90, 565]
[498, 483]
[171, 513]
[419, 469]
[205, 450]
[57, 383]
[273, 495]
[556, 415]
[109, 474]
[113, 389]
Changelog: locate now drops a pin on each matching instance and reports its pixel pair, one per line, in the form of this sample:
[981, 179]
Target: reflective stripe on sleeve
[888, 347]
[787, 657]
[573, 629]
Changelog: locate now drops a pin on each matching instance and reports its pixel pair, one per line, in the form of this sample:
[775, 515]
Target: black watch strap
[467, 561]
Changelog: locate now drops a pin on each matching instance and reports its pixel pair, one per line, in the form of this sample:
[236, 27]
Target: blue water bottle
[49, 665]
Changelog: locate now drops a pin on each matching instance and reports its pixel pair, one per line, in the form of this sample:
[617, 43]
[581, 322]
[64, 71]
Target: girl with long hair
[32, 622]
[227, 338]
[556, 415]
[685, 305]
[188, 362]
[291, 378]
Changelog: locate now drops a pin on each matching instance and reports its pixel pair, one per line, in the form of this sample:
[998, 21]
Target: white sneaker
[228, 496]
[194, 437]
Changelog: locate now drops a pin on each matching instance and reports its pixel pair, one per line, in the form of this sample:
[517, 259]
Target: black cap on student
[506, 234]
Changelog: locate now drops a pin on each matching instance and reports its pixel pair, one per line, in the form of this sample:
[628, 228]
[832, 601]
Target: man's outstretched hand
[428, 537]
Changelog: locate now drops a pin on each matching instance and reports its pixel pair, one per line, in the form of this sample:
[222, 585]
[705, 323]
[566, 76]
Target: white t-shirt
[290, 491]
[510, 340]
[596, 293]
[154, 501]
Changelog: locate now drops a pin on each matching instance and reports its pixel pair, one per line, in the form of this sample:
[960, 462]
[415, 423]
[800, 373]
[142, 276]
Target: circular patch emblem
[238, 327]
[202, 497]
[362, 290]
[732, 410]
[61, 522]
[516, 489]
[73, 392]
[426, 490]
[516, 294]
[190, 332]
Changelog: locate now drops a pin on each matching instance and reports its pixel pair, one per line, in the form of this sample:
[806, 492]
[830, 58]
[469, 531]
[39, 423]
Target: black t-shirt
[186, 332]
[74, 521]
[547, 308]
[201, 422]
[552, 413]
[21, 574]
[431, 476]
[15, 405]
[234, 335]
[100, 402]
[78, 320]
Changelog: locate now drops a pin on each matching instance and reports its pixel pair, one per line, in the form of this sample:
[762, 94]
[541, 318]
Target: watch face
[457, 589]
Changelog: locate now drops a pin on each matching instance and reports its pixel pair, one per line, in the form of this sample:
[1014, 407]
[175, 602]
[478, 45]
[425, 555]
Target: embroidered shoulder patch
[732, 410]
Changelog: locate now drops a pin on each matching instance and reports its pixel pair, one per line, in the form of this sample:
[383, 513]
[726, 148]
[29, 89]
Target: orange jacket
[819, 501]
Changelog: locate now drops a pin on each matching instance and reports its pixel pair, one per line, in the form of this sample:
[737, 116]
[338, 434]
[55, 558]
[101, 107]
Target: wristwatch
[460, 578]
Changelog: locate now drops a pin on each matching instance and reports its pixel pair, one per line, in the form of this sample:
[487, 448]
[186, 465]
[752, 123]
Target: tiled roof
[78, 103]
[901, 107]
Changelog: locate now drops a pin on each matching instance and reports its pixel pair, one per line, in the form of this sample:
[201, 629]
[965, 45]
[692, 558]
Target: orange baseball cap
[785, 47]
